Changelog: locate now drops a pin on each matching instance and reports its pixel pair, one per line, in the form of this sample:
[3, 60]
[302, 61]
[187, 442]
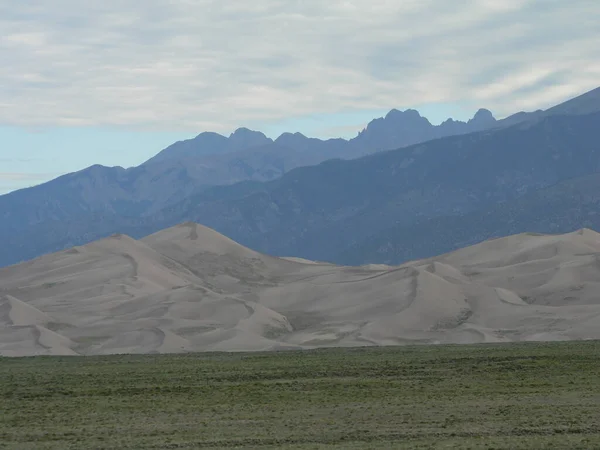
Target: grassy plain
[516, 396]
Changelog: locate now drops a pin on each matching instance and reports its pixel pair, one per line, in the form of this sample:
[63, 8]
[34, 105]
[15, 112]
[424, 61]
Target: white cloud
[212, 64]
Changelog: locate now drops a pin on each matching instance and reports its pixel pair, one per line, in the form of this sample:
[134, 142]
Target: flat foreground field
[479, 396]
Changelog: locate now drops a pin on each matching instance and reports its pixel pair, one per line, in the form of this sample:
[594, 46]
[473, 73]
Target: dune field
[189, 288]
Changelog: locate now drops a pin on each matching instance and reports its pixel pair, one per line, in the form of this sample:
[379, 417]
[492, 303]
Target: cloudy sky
[114, 81]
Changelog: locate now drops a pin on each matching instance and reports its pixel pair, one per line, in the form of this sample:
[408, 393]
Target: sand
[188, 288]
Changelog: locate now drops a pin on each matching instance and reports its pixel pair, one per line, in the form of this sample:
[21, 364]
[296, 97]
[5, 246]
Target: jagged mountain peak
[406, 114]
[483, 114]
[287, 137]
[211, 143]
[288, 133]
[483, 118]
[209, 135]
[244, 138]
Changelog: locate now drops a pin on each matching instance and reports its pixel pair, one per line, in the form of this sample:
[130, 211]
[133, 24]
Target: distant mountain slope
[209, 143]
[394, 206]
[178, 172]
[397, 129]
[560, 208]
[402, 128]
[323, 209]
[319, 212]
[189, 288]
[587, 103]
[322, 212]
[211, 159]
[192, 165]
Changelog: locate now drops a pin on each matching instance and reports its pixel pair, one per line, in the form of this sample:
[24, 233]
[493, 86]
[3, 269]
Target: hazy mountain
[318, 211]
[213, 159]
[583, 104]
[560, 208]
[402, 128]
[181, 170]
[397, 129]
[209, 143]
[347, 211]
[407, 127]
[189, 288]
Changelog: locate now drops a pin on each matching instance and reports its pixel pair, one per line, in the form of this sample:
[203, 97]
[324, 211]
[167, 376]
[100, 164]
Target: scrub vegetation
[514, 396]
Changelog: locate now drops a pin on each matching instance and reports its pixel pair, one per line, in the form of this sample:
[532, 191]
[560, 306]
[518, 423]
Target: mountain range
[189, 288]
[336, 200]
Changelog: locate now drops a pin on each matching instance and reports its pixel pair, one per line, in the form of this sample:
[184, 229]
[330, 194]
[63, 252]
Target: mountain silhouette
[307, 197]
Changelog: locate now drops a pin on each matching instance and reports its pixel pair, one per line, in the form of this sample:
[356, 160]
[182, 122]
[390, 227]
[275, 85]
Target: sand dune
[188, 288]
[18, 313]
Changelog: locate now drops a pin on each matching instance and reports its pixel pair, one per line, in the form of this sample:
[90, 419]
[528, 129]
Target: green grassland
[517, 396]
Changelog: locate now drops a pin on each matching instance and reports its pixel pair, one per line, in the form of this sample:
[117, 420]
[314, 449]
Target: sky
[115, 81]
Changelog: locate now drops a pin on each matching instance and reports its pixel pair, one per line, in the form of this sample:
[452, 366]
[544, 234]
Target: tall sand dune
[189, 288]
